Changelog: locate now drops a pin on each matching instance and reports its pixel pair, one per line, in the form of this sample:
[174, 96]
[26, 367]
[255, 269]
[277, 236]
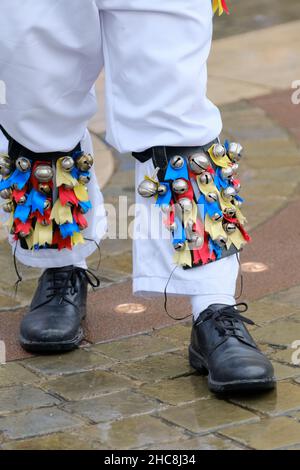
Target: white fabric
[153, 256]
[155, 54]
[201, 302]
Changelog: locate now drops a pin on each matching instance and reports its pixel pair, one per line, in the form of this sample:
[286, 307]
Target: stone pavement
[130, 385]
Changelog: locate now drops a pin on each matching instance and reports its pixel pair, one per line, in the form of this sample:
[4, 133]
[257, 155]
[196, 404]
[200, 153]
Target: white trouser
[154, 53]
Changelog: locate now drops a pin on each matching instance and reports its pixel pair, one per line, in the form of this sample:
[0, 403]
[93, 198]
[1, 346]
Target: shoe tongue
[216, 307]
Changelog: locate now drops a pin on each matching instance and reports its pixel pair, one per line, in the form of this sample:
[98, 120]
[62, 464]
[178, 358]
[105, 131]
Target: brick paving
[130, 386]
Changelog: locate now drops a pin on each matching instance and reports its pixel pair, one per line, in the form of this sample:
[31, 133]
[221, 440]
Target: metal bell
[196, 241]
[221, 240]
[172, 227]
[67, 163]
[179, 186]
[23, 164]
[236, 185]
[211, 197]
[230, 212]
[235, 151]
[179, 246]
[162, 189]
[6, 193]
[84, 179]
[147, 188]
[237, 203]
[165, 208]
[43, 173]
[177, 162]
[44, 188]
[5, 165]
[229, 192]
[217, 217]
[8, 207]
[24, 234]
[47, 204]
[227, 172]
[45, 223]
[185, 204]
[199, 162]
[235, 168]
[22, 200]
[218, 151]
[206, 178]
[229, 228]
[85, 162]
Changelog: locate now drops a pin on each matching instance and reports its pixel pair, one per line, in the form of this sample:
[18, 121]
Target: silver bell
[147, 188]
[179, 186]
[227, 172]
[185, 204]
[237, 203]
[23, 164]
[237, 186]
[235, 168]
[199, 162]
[23, 234]
[84, 179]
[196, 241]
[211, 197]
[45, 223]
[172, 227]
[67, 163]
[229, 192]
[230, 212]
[206, 178]
[229, 228]
[47, 204]
[217, 217]
[43, 173]
[177, 162]
[221, 240]
[180, 246]
[8, 207]
[6, 193]
[5, 165]
[165, 208]
[85, 162]
[219, 150]
[22, 200]
[44, 188]
[235, 151]
[162, 189]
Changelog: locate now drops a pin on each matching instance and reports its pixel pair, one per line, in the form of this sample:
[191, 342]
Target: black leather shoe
[53, 323]
[222, 347]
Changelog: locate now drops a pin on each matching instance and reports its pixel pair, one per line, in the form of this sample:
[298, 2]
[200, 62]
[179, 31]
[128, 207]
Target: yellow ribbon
[64, 177]
[217, 6]
[42, 234]
[184, 257]
[29, 241]
[81, 193]
[223, 162]
[61, 214]
[77, 238]
[237, 239]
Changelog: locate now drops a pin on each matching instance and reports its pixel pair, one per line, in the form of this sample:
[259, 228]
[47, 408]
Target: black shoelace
[64, 282]
[227, 320]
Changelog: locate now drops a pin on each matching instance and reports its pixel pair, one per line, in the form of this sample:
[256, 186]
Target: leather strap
[16, 150]
[161, 155]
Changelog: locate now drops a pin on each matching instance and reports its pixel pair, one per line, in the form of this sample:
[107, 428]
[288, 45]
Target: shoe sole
[197, 362]
[60, 346]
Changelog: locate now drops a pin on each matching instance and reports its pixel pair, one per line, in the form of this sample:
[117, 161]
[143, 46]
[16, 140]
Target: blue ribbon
[85, 206]
[179, 232]
[174, 173]
[68, 229]
[37, 201]
[165, 198]
[19, 178]
[22, 212]
[216, 248]
[209, 208]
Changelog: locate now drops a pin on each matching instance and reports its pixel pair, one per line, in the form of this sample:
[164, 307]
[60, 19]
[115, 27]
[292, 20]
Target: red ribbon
[67, 195]
[61, 242]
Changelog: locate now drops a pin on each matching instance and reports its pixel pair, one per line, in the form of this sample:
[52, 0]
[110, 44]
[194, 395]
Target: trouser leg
[49, 60]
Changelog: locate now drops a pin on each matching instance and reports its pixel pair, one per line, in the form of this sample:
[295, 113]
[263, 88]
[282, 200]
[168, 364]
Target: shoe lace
[62, 283]
[227, 320]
